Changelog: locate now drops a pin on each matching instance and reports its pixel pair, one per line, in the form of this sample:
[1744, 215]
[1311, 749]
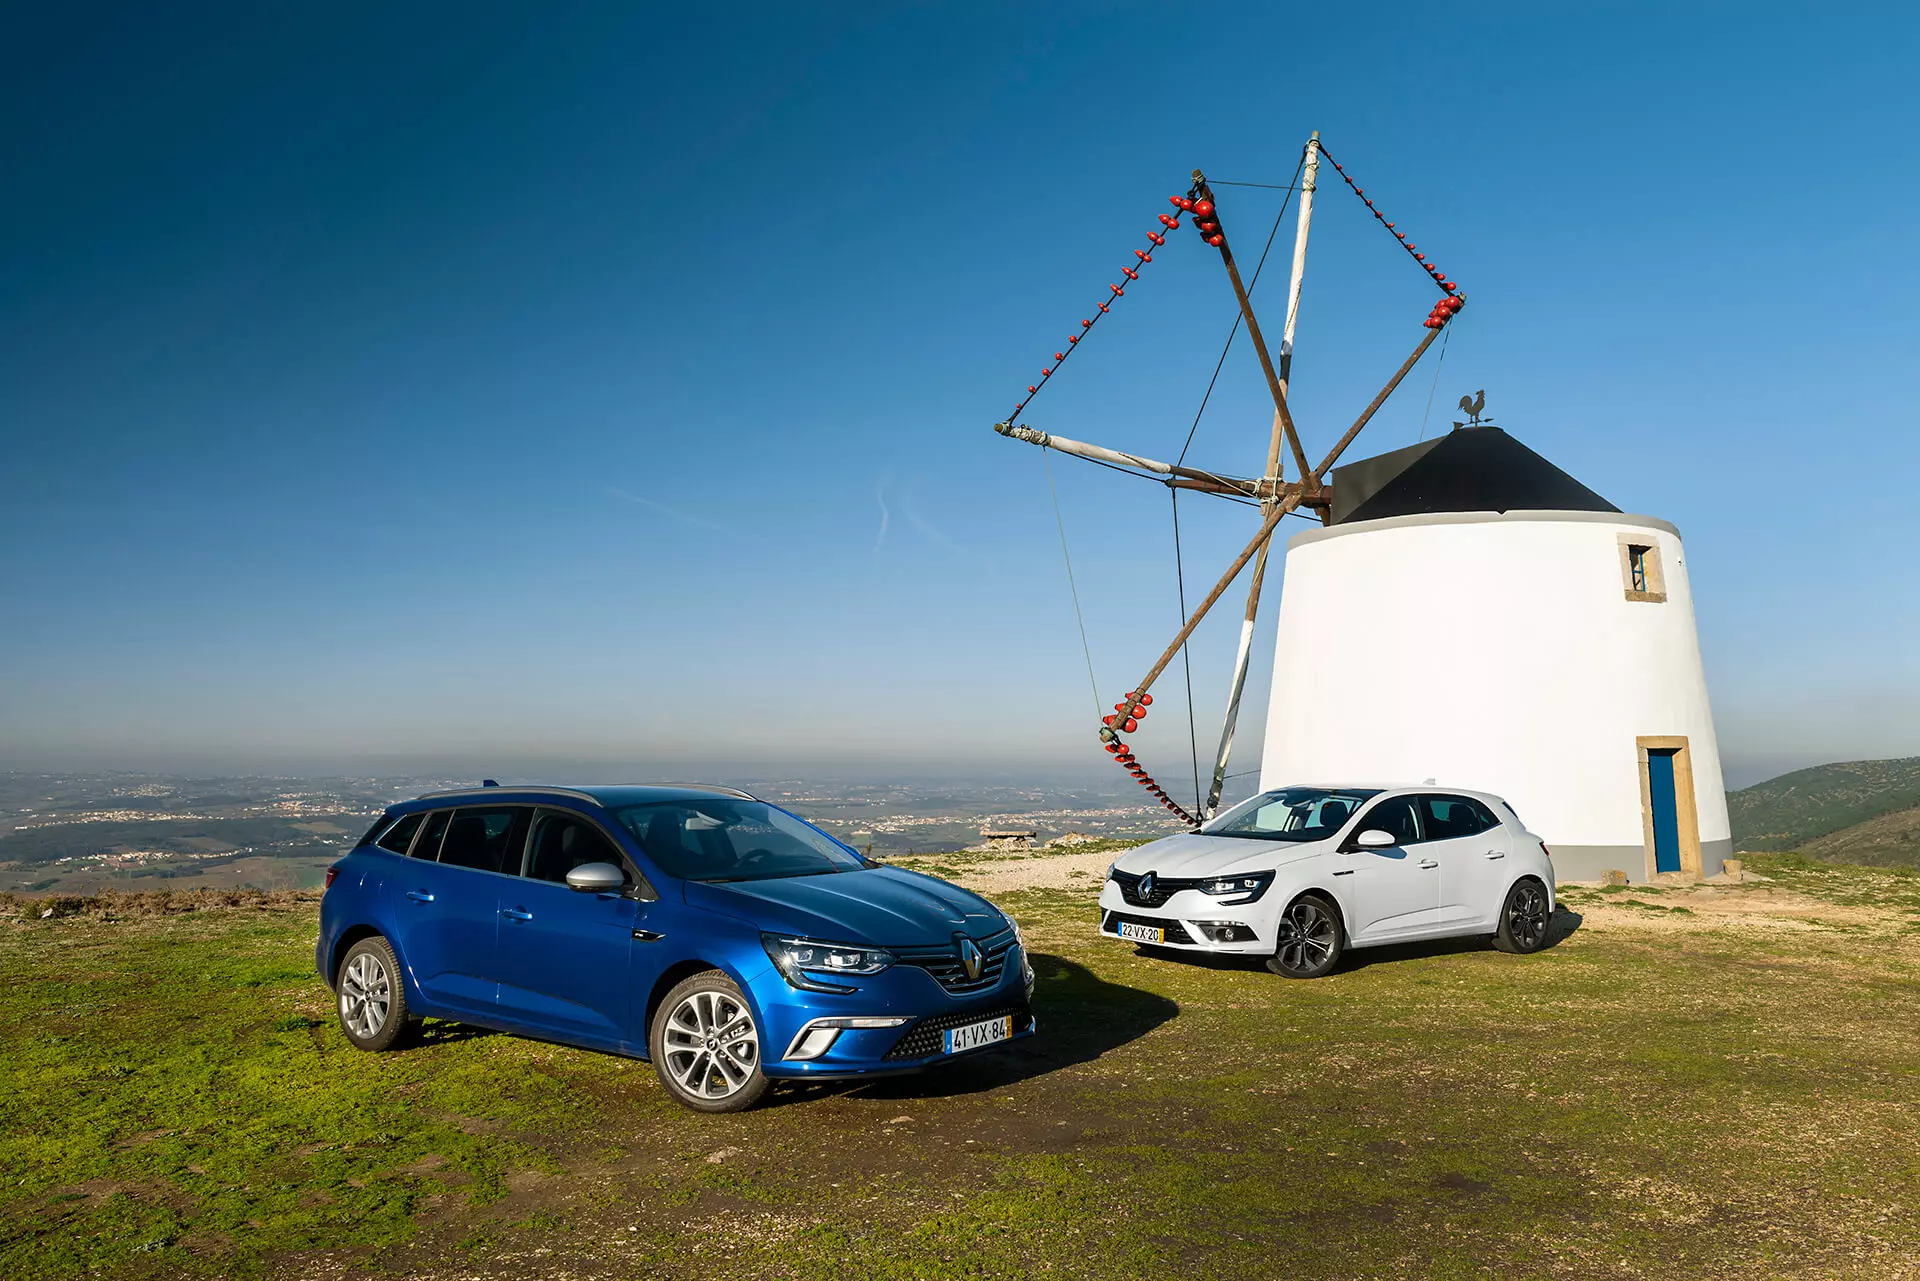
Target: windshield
[721, 838]
[1292, 814]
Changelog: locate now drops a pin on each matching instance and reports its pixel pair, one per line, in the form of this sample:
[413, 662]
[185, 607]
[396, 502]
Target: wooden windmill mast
[1278, 496]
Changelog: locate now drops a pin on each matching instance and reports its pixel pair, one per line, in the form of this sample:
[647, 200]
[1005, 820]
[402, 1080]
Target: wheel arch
[678, 973]
[344, 944]
[1332, 898]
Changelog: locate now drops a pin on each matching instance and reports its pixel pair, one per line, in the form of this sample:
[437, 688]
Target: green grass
[1633, 1102]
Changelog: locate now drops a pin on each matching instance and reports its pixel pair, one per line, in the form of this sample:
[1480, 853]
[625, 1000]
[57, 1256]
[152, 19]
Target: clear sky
[615, 382]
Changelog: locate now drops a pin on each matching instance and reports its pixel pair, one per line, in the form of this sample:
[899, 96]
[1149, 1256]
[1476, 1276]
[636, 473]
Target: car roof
[607, 797]
[1396, 789]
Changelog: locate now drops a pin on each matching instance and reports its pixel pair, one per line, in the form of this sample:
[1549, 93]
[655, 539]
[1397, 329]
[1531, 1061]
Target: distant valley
[1850, 812]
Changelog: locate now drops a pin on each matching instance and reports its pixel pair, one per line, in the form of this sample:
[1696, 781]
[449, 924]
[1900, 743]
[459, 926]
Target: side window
[428, 846]
[1449, 817]
[400, 835]
[1394, 816]
[487, 840]
[562, 842]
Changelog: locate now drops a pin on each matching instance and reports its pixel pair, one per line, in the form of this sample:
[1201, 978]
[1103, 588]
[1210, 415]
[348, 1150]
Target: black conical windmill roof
[1470, 469]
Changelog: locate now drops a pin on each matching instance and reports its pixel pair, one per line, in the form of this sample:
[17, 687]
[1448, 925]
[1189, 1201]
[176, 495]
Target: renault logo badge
[1146, 886]
[970, 959]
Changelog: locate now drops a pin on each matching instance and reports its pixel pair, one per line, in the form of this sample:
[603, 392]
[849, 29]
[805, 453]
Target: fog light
[1225, 931]
[818, 1036]
[814, 1042]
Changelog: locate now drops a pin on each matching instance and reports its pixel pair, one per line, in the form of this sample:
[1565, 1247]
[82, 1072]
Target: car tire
[1318, 939]
[704, 1057]
[1525, 918]
[371, 996]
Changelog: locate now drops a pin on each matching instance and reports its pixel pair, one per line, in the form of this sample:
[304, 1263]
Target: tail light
[1543, 850]
[331, 873]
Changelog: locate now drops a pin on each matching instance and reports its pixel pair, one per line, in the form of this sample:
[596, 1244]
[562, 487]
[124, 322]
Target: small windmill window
[1640, 570]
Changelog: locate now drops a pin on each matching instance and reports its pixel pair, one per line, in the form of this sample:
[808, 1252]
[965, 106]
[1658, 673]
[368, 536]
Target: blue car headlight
[1245, 888]
[814, 966]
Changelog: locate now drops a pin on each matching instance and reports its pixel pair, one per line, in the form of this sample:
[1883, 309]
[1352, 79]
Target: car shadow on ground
[1080, 1016]
[1559, 929]
[446, 1032]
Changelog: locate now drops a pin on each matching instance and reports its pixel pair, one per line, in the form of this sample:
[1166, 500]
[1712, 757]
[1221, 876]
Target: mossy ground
[1660, 1094]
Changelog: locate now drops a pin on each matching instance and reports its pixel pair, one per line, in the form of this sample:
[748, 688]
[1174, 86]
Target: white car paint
[1414, 890]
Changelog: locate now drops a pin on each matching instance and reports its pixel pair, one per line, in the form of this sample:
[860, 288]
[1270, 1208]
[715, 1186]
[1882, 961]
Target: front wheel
[1524, 918]
[706, 1047]
[1315, 944]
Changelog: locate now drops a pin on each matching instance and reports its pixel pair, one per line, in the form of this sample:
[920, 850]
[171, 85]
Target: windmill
[1277, 495]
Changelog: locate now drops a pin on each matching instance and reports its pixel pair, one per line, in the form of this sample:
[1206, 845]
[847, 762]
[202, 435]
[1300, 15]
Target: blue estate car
[712, 933]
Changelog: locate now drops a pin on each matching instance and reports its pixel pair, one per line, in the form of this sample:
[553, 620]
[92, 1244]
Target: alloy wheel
[1527, 915]
[366, 995]
[1315, 934]
[711, 1046]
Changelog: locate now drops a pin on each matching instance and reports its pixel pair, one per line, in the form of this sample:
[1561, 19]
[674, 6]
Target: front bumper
[1195, 922]
[901, 992]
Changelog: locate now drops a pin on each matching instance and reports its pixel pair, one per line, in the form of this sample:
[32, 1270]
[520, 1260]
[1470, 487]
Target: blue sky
[615, 382]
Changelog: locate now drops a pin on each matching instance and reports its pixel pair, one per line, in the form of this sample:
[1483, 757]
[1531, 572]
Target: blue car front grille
[943, 962]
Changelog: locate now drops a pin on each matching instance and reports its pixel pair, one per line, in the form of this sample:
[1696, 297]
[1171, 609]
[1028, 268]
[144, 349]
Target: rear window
[400, 835]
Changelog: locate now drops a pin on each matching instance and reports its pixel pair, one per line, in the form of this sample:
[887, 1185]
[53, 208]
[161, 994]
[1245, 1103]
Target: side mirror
[1374, 839]
[596, 878]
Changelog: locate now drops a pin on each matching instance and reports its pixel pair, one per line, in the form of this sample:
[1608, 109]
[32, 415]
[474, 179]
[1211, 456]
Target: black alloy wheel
[1316, 942]
[1524, 919]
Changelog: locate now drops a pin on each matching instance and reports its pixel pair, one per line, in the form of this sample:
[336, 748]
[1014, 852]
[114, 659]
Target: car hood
[882, 906]
[1194, 854]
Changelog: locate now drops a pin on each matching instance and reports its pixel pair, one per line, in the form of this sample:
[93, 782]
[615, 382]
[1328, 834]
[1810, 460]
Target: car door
[449, 904]
[572, 962]
[1472, 847]
[1393, 892]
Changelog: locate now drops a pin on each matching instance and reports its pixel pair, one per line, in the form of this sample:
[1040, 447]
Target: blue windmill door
[1662, 799]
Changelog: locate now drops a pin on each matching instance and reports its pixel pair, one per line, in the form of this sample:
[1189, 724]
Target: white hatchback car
[1300, 874]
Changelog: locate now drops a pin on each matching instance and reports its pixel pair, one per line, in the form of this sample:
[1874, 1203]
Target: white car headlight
[1244, 888]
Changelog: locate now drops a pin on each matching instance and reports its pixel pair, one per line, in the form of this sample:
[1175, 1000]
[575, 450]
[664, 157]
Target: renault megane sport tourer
[716, 935]
[1299, 874]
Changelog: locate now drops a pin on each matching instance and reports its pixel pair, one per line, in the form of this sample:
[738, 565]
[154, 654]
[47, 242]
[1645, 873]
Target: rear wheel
[706, 1047]
[1315, 944]
[1524, 918]
[372, 997]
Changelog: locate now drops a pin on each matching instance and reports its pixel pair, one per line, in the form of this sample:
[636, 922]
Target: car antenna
[488, 782]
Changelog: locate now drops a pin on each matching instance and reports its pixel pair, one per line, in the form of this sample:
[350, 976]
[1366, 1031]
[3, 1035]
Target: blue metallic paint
[539, 959]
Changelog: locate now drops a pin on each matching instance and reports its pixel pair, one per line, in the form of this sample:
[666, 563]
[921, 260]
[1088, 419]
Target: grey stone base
[1591, 862]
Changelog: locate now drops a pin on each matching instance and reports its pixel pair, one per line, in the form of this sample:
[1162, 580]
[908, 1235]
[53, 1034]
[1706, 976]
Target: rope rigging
[1275, 499]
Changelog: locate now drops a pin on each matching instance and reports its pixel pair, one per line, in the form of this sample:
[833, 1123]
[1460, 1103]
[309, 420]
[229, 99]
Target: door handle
[1496, 853]
[1427, 862]
[516, 913]
[420, 896]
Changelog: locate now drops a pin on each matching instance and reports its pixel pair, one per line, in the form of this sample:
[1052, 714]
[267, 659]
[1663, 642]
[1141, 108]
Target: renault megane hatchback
[716, 935]
[1298, 874]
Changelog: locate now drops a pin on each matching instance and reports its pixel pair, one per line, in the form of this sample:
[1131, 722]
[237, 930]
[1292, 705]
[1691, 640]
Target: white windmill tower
[1475, 617]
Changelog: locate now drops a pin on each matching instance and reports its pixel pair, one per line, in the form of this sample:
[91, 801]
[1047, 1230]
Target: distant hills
[1849, 812]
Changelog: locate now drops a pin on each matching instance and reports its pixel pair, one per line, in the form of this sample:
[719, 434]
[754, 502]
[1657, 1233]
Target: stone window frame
[1656, 578]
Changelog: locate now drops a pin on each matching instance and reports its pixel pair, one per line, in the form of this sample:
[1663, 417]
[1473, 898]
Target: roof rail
[741, 792]
[495, 789]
